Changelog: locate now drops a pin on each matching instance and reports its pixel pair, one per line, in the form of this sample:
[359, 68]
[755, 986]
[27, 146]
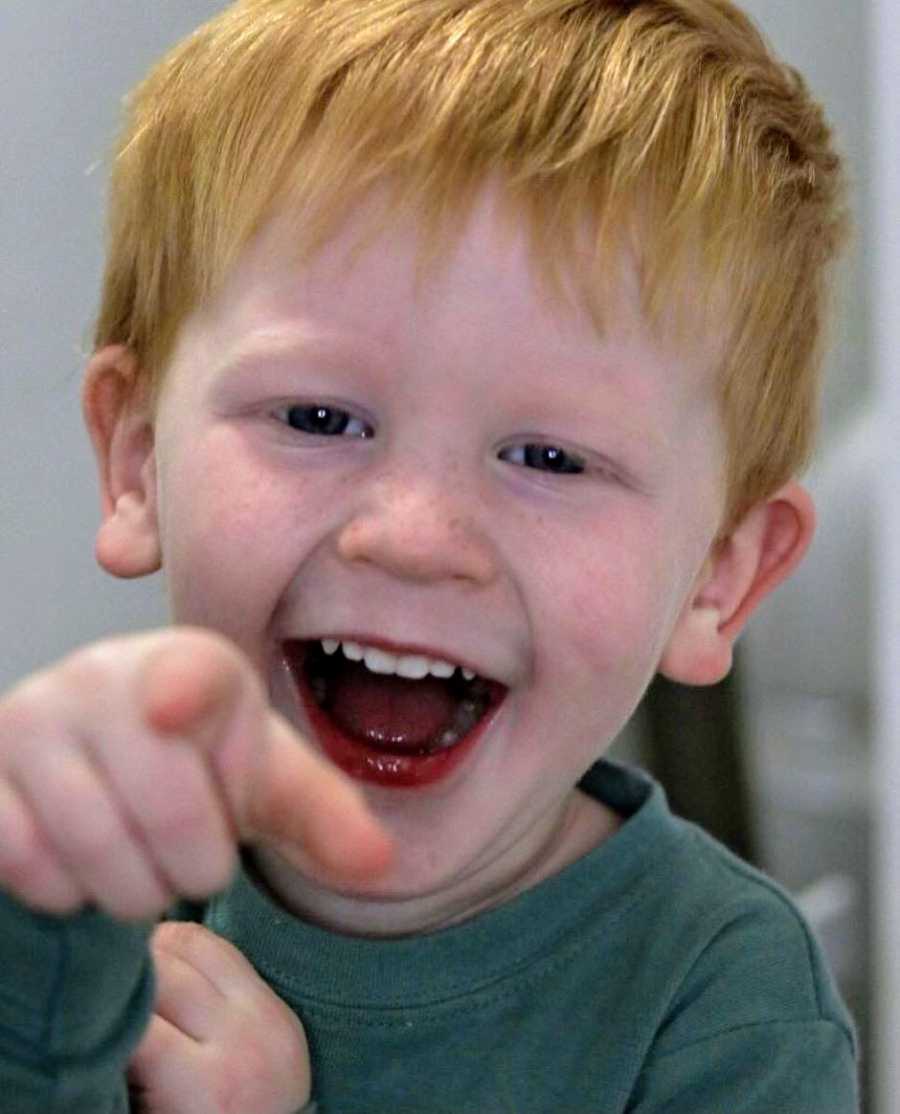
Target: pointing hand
[131, 770]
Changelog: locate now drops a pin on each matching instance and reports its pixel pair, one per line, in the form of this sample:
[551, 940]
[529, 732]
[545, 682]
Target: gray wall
[827, 40]
[800, 642]
[64, 67]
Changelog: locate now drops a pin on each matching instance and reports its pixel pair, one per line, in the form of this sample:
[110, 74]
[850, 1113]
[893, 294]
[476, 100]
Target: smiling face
[495, 485]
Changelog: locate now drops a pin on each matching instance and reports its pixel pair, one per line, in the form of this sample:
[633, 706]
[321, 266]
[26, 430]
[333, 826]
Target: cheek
[229, 539]
[616, 607]
[215, 488]
[615, 640]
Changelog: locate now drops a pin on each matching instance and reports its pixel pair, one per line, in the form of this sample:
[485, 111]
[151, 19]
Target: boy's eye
[324, 421]
[545, 458]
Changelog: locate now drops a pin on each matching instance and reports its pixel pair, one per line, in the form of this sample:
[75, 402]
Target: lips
[386, 730]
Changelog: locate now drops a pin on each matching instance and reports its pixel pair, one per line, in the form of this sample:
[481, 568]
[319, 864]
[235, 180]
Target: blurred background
[791, 760]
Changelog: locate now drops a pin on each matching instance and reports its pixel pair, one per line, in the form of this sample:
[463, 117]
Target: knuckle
[20, 722]
[189, 854]
[93, 845]
[179, 822]
[36, 881]
[143, 903]
[22, 861]
[88, 666]
[216, 876]
[288, 1046]
[244, 1078]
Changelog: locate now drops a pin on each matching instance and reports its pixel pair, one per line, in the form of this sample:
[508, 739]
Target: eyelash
[365, 431]
[561, 462]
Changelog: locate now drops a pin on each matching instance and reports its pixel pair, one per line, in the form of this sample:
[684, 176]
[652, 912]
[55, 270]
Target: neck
[563, 837]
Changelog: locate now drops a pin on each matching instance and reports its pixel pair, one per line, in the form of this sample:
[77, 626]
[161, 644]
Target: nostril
[430, 548]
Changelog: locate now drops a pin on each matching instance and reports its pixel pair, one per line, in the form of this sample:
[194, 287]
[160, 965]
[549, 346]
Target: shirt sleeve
[756, 1026]
[76, 994]
[798, 1068]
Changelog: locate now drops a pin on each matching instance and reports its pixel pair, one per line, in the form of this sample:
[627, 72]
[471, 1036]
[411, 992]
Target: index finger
[300, 801]
[190, 683]
[276, 787]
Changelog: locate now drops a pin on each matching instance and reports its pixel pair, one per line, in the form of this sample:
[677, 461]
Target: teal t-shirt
[656, 975]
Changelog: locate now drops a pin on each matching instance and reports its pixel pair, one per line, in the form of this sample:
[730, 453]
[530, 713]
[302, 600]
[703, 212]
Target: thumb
[309, 809]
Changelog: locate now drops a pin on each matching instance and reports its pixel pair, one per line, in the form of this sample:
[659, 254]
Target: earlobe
[120, 422]
[744, 568]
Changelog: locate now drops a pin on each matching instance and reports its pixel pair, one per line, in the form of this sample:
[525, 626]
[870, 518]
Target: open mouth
[386, 728]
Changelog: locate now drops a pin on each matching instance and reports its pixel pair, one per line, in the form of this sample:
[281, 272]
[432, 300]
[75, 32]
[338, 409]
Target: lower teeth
[470, 710]
[467, 716]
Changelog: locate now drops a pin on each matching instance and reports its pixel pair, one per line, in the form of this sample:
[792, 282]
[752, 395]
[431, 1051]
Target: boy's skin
[573, 590]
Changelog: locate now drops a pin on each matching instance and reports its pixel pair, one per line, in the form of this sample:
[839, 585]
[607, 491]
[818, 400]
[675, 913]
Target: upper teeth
[413, 666]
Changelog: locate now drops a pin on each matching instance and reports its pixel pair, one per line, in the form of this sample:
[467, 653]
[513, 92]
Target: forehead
[365, 288]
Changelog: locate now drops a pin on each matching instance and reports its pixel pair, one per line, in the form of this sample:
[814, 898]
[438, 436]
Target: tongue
[390, 711]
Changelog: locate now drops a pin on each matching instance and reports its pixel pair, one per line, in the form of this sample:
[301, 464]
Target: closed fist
[220, 1040]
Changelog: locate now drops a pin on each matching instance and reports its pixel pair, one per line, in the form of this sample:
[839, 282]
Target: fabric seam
[768, 1024]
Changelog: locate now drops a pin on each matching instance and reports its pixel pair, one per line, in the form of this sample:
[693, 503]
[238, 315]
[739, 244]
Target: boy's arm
[76, 994]
[76, 1016]
[220, 1038]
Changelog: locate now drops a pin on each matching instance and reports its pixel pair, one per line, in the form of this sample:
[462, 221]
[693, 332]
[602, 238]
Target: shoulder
[753, 959]
[751, 1019]
[713, 943]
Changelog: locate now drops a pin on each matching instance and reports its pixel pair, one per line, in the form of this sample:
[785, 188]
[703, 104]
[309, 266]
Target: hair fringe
[664, 128]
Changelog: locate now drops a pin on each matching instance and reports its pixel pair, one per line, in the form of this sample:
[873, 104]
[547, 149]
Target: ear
[762, 551]
[120, 422]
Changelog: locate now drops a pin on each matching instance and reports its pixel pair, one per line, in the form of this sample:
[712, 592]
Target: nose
[416, 530]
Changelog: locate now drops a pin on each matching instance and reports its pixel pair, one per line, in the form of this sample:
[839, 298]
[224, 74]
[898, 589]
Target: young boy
[455, 362]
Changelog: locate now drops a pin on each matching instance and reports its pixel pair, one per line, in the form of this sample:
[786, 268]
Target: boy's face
[442, 530]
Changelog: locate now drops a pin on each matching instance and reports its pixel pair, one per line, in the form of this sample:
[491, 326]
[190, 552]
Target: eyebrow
[280, 348]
